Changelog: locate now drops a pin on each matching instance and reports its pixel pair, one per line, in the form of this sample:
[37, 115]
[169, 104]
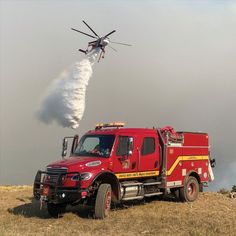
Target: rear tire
[56, 210]
[103, 201]
[190, 191]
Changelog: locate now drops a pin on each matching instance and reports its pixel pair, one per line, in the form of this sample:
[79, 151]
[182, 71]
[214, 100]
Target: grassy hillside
[211, 214]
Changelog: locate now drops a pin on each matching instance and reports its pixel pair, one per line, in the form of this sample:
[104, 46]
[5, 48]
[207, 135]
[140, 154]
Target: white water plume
[65, 98]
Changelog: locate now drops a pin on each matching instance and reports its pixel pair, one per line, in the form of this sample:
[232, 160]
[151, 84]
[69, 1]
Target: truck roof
[122, 130]
[191, 132]
[134, 130]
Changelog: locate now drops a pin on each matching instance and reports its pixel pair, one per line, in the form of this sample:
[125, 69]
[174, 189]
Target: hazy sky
[180, 71]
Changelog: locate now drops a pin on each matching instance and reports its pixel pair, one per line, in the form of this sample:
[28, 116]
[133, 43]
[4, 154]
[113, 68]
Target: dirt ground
[211, 214]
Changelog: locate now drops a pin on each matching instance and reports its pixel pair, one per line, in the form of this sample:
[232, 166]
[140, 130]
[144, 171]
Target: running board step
[152, 183]
[131, 184]
[132, 198]
[152, 194]
[141, 197]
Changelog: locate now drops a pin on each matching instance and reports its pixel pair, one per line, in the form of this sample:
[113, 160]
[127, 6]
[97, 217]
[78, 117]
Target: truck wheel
[56, 210]
[190, 191]
[103, 201]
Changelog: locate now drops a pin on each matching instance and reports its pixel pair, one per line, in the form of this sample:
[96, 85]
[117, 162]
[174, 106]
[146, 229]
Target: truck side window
[123, 146]
[148, 146]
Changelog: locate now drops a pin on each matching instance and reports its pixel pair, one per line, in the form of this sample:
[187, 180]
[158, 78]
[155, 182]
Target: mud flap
[211, 174]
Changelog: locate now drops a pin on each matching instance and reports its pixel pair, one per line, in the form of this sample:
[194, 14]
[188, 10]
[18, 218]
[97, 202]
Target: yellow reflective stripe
[155, 173]
[185, 158]
[136, 174]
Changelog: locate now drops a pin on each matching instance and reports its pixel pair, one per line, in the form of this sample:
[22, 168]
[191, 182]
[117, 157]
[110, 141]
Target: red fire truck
[116, 164]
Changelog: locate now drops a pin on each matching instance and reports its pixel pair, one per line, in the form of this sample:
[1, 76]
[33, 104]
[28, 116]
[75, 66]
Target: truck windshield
[95, 145]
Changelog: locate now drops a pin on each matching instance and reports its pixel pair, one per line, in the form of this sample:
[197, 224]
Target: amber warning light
[110, 125]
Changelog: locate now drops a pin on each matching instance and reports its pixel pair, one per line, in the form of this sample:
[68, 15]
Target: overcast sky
[180, 71]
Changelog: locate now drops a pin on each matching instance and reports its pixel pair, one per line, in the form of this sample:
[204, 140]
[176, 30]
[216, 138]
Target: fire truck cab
[116, 164]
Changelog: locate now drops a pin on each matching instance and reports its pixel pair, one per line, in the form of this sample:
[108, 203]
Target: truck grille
[52, 175]
[57, 170]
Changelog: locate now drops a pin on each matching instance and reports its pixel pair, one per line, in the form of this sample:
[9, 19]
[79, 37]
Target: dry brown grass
[211, 214]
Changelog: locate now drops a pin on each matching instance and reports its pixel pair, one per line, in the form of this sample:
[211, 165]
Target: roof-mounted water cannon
[109, 125]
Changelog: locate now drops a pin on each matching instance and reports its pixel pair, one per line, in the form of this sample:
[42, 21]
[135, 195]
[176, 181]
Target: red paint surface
[195, 144]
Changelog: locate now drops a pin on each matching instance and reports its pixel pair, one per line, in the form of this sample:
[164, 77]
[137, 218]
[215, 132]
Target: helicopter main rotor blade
[113, 31]
[95, 41]
[112, 48]
[84, 33]
[125, 44]
[91, 29]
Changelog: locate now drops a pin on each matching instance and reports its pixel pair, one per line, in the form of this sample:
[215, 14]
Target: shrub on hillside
[233, 189]
[223, 191]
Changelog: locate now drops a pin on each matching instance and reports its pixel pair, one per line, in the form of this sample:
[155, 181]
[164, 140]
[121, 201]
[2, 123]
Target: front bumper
[49, 187]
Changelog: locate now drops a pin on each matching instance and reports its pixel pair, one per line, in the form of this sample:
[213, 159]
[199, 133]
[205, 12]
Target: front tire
[103, 201]
[56, 210]
[190, 191]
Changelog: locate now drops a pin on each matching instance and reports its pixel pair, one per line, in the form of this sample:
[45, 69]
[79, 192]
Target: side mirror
[64, 147]
[74, 143]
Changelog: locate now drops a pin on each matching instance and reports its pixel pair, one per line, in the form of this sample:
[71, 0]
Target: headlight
[86, 175]
[83, 176]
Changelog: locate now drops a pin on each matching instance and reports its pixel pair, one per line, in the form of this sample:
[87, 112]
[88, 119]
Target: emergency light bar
[109, 125]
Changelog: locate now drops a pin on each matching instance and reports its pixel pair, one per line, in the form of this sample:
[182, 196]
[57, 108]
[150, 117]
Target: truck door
[124, 154]
[149, 153]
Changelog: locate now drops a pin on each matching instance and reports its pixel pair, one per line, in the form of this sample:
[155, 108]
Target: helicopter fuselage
[99, 43]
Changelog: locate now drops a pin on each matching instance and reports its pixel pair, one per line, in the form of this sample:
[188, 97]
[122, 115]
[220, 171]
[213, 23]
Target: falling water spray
[64, 101]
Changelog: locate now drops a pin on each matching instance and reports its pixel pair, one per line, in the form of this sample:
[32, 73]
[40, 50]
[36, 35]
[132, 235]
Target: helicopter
[99, 43]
